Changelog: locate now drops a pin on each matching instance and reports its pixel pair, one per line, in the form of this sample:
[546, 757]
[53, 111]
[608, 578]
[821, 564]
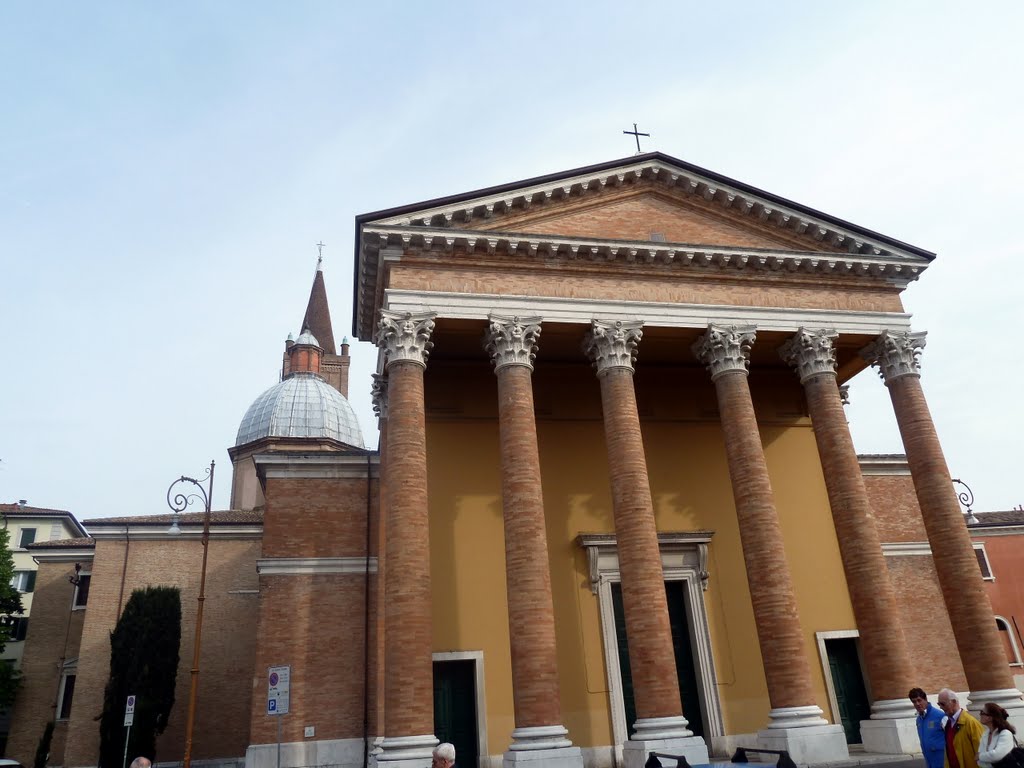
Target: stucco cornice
[381, 243]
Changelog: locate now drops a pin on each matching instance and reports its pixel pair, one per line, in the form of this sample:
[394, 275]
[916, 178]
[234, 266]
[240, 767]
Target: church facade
[615, 508]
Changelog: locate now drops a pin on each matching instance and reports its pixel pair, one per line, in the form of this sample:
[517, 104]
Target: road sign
[129, 711]
[278, 689]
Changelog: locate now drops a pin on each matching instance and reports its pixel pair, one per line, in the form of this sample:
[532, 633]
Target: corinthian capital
[725, 348]
[379, 394]
[895, 354]
[810, 353]
[405, 336]
[612, 344]
[512, 340]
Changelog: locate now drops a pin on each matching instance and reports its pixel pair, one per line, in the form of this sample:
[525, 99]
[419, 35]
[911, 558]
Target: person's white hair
[949, 694]
[141, 762]
[445, 751]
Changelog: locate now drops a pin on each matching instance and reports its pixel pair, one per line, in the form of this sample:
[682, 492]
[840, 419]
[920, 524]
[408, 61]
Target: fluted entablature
[612, 344]
[896, 354]
[512, 340]
[811, 353]
[725, 348]
[405, 337]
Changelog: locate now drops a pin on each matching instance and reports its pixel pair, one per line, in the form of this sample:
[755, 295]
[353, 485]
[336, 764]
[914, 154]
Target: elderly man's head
[948, 702]
[141, 762]
[444, 756]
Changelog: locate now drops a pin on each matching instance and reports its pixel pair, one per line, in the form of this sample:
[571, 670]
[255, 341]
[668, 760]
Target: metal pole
[278, 741]
[127, 735]
[194, 687]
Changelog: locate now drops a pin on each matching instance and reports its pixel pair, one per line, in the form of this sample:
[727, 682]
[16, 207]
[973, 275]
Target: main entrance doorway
[677, 615]
[455, 716]
[848, 684]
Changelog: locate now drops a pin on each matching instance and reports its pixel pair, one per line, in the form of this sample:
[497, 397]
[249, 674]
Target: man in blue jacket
[929, 729]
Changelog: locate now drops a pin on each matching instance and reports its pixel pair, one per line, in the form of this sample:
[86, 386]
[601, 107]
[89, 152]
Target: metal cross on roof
[636, 134]
[320, 249]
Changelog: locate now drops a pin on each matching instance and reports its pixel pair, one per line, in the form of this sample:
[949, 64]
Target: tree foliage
[143, 663]
[10, 606]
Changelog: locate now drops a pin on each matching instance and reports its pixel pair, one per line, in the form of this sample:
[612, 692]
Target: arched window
[1006, 631]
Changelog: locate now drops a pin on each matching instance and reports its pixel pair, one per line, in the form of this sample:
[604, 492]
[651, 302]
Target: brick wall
[897, 513]
[926, 623]
[316, 622]
[228, 650]
[52, 623]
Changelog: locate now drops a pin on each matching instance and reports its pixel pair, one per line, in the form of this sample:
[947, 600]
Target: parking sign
[278, 689]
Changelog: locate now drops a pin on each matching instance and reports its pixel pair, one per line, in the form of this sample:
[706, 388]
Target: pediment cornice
[474, 217]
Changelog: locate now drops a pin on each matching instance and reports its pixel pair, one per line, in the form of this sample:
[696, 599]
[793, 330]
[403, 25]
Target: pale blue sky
[165, 170]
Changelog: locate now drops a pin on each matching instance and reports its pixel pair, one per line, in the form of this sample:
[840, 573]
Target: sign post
[279, 683]
[129, 718]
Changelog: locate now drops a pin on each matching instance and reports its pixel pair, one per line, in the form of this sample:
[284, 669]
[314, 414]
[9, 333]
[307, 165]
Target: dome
[307, 338]
[303, 405]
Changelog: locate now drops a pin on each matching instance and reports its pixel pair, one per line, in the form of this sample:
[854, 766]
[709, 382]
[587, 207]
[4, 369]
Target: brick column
[660, 724]
[408, 662]
[726, 351]
[884, 647]
[963, 591]
[377, 651]
[539, 733]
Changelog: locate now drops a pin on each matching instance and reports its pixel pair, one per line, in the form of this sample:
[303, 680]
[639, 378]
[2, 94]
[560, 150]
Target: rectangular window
[17, 626]
[28, 536]
[983, 563]
[24, 581]
[56, 532]
[67, 693]
[82, 590]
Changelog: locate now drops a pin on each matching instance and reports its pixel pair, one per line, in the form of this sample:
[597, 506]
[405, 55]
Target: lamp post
[178, 503]
[966, 499]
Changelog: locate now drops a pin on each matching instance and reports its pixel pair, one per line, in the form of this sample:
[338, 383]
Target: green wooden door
[848, 682]
[455, 709]
[677, 611]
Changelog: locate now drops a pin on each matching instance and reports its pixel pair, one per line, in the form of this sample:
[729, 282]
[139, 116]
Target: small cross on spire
[319, 254]
[636, 134]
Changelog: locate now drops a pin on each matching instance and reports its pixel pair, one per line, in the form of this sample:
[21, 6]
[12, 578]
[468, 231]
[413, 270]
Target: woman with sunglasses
[997, 738]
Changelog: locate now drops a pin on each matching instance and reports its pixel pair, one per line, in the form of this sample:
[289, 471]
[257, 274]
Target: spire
[318, 314]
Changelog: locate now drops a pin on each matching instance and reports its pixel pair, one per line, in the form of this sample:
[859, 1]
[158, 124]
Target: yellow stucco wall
[691, 491]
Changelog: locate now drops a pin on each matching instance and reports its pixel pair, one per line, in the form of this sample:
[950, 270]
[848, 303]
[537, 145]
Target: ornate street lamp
[178, 503]
[966, 498]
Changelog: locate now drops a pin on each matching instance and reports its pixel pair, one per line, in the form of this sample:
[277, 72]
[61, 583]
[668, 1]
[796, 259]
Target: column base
[347, 753]
[406, 751]
[669, 735]
[896, 736]
[807, 744]
[1007, 698]
[558, 757]
[547, 743]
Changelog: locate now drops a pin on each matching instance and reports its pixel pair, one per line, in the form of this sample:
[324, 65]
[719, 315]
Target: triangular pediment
[648, 209]
[509, 207]
[653, 216]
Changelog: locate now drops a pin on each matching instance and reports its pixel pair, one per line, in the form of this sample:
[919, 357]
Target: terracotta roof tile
[220, 517]
[86, 541]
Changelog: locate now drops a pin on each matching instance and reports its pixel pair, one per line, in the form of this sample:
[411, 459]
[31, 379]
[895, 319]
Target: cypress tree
[144, 663]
